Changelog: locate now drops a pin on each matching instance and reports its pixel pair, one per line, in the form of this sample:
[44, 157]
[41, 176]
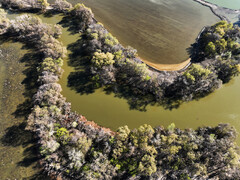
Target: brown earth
[168, 67]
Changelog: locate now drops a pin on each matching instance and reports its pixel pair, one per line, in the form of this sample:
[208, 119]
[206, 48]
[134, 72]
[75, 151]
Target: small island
[71, 147]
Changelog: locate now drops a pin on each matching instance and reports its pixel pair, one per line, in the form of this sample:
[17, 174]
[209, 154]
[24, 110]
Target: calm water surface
[17, 157]
[144, 25]
[107, 110]
[232, 4]
[160, 30]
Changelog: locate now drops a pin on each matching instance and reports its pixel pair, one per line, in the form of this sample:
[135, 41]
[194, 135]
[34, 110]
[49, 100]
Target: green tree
[102, 59]
[211, 49]
[196, 72]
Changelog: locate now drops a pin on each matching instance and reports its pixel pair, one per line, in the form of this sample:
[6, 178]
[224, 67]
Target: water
[110, 111]
[160, 30]
[17, 149]
[231, 4]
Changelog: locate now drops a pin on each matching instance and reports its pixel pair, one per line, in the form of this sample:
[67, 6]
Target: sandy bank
[168, 67]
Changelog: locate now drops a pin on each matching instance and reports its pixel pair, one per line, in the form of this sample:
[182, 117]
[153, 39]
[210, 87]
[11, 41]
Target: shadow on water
[16, 135]
[31, 61]
[50, 13]
[71, 23]
[83, 82]
[80, 80]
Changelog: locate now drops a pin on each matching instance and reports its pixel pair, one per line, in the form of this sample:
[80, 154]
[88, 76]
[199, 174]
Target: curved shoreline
[214, 8]
[168, 67]
[172, 67]
[185, 64]
[165, 67]
[74, 148]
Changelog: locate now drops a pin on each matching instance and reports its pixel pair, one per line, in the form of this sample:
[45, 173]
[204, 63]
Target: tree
[62, 5]
[196, 72]
[100, 59]
[4, 22]
[210, 49]
[82, 14]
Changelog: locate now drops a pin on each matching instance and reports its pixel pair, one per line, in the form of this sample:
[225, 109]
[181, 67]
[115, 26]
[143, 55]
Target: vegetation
[83, 15]
[196, 72]
[101, 59]
[73, 148]
[4, 22]
[25, 5]
[62, 5]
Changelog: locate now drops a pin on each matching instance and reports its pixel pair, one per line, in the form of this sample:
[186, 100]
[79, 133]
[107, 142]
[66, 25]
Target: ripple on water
[160, 31]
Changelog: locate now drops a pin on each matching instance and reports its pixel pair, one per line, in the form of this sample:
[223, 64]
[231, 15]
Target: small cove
[110, 111]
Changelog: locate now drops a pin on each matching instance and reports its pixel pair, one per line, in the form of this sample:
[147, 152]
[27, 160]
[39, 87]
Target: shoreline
[172, 67]
[168, 67]
[72, 147]
[214, 8]
[185, 64]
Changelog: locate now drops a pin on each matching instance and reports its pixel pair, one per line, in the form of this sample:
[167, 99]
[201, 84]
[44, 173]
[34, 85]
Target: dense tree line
[23, 5]
[74, 148]
[115, 66]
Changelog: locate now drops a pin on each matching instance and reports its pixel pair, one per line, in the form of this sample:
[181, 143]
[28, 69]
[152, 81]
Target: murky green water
[232, 4]
[17, 157]
[107, 110]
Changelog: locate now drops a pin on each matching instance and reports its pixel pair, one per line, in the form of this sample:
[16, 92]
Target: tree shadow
[194, 53]
[80, 80]
[31, 61]
[237, 23]
[72, 23]
[51, 13]
[83, 82]
[13, 10]
[38, 176]
[16, 135]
